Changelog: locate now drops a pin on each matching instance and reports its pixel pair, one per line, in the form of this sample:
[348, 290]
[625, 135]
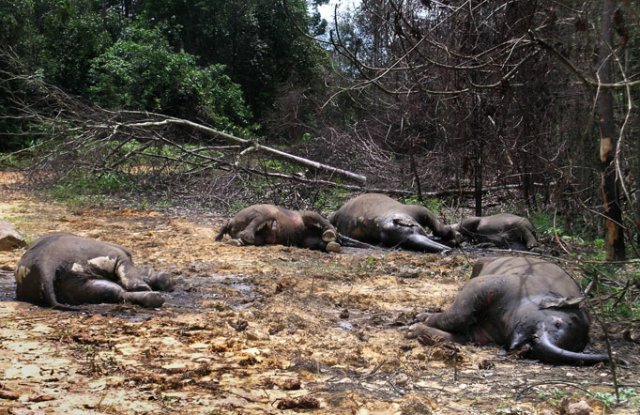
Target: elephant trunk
[423, 243]
[346, 241]
[546, 351]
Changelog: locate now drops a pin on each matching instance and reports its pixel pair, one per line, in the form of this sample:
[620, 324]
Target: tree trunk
[477, 194]
[609, 186]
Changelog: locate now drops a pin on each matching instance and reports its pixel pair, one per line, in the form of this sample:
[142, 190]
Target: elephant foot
[329, 235]
[160, 281]
[138, 286]
[148, 299]
[427, 335]
[235, 242]
[422, 317]
[334, 247]
[247, 238]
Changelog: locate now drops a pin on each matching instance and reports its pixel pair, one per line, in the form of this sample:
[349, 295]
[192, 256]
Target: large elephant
[503, 230]
[63, 268]
[521, 304]
[271, 225]
[378, 219]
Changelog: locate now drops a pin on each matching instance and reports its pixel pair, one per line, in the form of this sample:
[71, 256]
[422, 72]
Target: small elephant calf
[272, 225]
[503, 230]
[63, 268]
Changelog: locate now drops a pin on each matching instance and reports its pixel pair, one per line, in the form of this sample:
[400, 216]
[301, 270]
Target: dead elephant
[62, 268]
[521, 304]
[378, 219]
[503, 230]
[272, 225]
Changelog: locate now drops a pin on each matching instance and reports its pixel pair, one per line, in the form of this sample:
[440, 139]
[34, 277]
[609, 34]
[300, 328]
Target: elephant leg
[159, 281]
[148, 299]
[529, 238]
[257, 231]
[119, 267]
[419, 330]
[77, 290]
[475, 297]
[313, 220]
[97, 291]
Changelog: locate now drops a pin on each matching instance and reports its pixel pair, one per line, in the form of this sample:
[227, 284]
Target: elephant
[503, 230]
[378, 219]
[519, 303]
[273, 225]
[62, 268]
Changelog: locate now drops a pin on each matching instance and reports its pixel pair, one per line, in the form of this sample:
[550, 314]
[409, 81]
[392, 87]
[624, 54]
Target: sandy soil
[254, 330]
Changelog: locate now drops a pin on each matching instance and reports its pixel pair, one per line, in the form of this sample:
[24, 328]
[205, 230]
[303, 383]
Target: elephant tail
[225, 230]
[543, 349]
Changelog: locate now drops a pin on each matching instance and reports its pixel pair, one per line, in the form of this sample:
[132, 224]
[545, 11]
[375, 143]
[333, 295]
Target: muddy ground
[255, 330]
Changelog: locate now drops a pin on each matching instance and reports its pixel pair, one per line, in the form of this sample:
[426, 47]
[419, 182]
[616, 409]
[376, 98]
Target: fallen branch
[252, 145]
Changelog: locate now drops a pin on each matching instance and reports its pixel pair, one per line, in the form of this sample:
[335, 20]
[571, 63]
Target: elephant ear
[559, 302]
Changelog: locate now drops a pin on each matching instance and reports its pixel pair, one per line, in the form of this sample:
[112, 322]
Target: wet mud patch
[7, 285]
[201, 292]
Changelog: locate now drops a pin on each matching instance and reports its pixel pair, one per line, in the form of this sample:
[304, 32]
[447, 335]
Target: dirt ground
[255, 330]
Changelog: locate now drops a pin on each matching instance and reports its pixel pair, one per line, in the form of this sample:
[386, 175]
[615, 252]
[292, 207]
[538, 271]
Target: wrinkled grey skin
[503, 230]
[62, 268]
[518, 303]
[272, 225]
[378, 219]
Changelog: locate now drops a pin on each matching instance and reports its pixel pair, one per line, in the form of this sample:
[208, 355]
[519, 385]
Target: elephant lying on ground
[273, 225]
[518, 303]
[503, 230]
[62, 268]
[378, 219]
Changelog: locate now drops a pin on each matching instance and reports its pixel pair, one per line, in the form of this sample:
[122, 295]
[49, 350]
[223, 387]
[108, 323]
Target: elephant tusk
[543, 349]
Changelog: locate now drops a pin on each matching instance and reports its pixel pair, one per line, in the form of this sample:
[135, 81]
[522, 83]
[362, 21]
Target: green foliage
[73, 32]
[280, 166]
[259, 42]
[81, 188]
[580, 237]
[433, 204]
[544, 223]
[612, 288]
[330, 199]
[141, 72]
[200, 61]
[608, 399]
[552, 395]
[143, 156]
[15, 18]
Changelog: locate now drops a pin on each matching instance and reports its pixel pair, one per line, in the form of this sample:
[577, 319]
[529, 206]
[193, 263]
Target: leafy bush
[80, 187]
[141, 72]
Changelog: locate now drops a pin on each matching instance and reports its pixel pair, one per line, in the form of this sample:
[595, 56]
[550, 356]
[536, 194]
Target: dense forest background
[474, 106]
